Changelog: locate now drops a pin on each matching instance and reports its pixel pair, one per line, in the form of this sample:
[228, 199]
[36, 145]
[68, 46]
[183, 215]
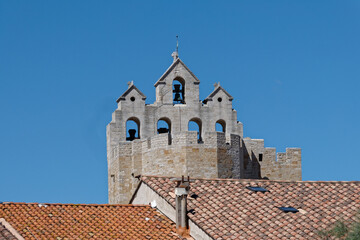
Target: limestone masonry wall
[275, 166]
[184, 156]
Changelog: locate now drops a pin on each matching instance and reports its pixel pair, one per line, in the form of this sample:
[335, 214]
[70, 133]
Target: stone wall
[183, 155]
[274, 166]
[180, 154]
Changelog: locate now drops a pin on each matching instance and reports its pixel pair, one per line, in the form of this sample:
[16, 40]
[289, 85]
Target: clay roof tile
[82, 221]
[226, 209]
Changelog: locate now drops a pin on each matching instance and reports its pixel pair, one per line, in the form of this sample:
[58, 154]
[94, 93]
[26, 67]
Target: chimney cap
[179, 191]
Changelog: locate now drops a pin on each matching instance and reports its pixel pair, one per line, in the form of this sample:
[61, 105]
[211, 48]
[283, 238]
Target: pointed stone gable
[218, 88]
[171, 68]
[128, 91]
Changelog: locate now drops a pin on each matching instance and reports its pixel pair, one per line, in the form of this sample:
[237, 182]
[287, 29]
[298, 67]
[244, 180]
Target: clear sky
[293, 68]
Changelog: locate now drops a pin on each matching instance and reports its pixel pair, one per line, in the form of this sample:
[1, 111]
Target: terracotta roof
[83, 221]
[226, 209]
[5, 234]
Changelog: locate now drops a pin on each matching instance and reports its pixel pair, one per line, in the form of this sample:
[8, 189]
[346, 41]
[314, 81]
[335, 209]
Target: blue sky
[293, 68]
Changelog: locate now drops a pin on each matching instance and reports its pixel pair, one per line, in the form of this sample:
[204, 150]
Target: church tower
[162, 143]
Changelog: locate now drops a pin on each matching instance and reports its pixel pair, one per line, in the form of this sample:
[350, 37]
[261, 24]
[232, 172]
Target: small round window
[219, 99]
[132, 99]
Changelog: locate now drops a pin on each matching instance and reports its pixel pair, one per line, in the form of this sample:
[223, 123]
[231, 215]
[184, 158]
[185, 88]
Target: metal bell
[177, 97]
[132, 133]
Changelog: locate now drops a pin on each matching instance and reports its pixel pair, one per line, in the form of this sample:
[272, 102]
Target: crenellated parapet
[175, 154]
[272, 165]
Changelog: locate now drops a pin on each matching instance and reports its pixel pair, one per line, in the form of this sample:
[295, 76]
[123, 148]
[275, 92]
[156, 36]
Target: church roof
[172, 66]
[228, 209]
[83, 221]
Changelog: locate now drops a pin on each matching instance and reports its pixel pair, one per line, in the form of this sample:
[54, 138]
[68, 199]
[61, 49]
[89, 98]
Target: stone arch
[192, 123]
[178, 86]
[132, 129]
[220, 125]
[163, 125]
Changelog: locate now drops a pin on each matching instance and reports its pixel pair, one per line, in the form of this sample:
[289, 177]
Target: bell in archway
[163, 130]
[177, 92]
[132, 133]
[177, 97]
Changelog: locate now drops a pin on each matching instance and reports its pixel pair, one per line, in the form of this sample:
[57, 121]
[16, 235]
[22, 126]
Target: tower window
[164, 125]
[260, 157]
[219, 99]
[132, 129]
[220, 126]
[195, 125]
[132, 99]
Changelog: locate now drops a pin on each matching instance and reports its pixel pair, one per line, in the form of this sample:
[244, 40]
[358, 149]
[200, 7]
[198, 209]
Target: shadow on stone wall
[251, 165]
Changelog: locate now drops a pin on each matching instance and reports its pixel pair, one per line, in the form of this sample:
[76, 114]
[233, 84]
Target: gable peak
[175, 56]
[216, 90]
[130, 84]
[131, 87]
[172, 67]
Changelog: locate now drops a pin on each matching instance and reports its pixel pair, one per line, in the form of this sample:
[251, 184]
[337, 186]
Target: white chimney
[181, 191]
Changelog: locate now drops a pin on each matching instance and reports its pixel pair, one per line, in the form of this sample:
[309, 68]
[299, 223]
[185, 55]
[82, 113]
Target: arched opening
[164, 125]
[132, 129]
[195, 125]
[220, 126]
[178, 91]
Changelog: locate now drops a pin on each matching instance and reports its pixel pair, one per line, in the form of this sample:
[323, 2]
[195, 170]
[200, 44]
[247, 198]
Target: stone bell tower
[173, 150]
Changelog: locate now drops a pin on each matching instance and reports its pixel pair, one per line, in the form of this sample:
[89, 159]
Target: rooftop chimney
[181, 191]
